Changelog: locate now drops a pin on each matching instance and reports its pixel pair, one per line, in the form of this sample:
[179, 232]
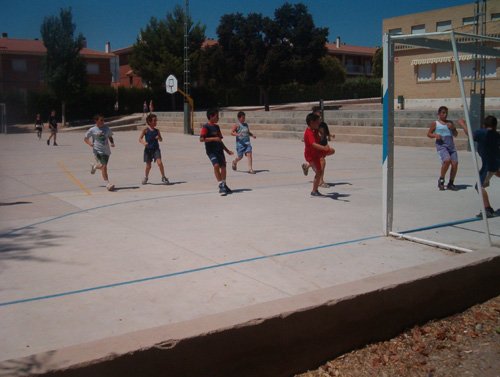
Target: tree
[261, 51]
[65, 71]
[377, 63]
[241, 51]
[159, 49]
[335, 73]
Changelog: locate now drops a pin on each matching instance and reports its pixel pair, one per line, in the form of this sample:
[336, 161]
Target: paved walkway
[78, 263]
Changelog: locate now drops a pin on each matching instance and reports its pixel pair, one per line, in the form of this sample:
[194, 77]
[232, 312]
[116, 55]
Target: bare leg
[160, 166]
[147, 170]
[217, 173]
[249, 156]
[223, 173]
[323, 164]
[444, 168]
[317, 177]
[486, 199]
[104, 172]
[453, 171]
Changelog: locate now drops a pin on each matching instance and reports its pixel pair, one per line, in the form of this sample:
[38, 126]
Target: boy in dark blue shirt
[488, 147]
[211, 135]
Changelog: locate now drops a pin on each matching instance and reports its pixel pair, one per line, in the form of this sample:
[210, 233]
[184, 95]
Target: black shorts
[152, 155]
[217, 158]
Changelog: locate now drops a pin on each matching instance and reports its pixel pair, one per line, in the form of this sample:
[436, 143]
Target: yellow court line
[74, 179]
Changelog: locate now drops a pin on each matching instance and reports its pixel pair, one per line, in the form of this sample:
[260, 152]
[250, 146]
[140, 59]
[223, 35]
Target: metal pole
[187, 113]
[388, 135]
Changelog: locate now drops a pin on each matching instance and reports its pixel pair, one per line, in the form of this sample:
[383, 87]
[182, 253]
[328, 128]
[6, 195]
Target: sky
[356, 22]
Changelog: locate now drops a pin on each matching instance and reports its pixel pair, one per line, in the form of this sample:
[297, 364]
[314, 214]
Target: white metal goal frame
[441, 41]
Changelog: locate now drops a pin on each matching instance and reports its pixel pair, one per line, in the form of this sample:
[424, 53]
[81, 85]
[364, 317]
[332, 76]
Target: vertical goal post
[441, 41]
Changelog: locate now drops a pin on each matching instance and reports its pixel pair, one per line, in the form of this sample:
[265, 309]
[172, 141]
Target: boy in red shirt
[313, 150]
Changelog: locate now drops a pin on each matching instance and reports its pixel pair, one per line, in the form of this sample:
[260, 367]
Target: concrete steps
[352, 126]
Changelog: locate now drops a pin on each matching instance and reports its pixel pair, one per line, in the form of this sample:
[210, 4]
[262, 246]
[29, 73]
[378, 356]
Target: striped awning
[446, 59]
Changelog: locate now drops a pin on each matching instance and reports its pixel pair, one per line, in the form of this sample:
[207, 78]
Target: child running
[38, 126]
[212, 137]
[443, 130]
[488, 147]
[314, 151]
[101, 136]
[150, 138]
[52, 122]
[243, 145]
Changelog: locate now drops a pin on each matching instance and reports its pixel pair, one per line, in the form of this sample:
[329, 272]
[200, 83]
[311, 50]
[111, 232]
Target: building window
[469, 20]
[491, 69]
[19, 65]
[418, 29]
[495, 17]
[93, 68]
[424, 72]
[443, 25]
[443, 71]
[467, 69]
[395, 31]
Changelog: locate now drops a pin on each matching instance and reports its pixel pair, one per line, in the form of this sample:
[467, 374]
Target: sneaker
[93, 168]
[145, 180]
[55, 144]
[233, 165]
[227, 190]
[441, 184]
[165, 180]
[316, 193]
[110, 187]
[324, 185]
[222, 189]
[48, 142]
[451, 187]
[490, 212]
[305, 168]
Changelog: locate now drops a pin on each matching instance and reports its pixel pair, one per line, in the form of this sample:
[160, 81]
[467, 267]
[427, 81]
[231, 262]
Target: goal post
[441, 41]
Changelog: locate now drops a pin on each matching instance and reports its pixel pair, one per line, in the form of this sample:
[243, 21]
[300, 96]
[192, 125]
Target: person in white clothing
[100, 138]
[443, 130]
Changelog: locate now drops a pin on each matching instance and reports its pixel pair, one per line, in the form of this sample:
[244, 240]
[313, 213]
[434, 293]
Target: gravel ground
[465, 344]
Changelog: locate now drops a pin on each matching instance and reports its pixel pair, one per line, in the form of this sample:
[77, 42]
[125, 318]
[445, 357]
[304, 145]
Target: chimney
[337, 42]
[84, 42]
[107, 47]
[5, 35]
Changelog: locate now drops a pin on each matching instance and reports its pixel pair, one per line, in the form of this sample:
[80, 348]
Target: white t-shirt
[100, 138]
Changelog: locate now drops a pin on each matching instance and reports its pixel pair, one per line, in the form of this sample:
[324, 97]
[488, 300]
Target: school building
[427, 78]
[21, 65]
[356, 60]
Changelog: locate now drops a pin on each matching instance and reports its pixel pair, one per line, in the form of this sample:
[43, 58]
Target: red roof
[125, 50]
[349, 49]
[36, 47]
[209, 43]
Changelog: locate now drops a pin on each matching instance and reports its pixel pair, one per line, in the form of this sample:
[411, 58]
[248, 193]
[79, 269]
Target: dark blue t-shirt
[151, 139]
[212, 130]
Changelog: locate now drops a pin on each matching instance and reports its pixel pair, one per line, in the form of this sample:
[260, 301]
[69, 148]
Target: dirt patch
[465, 344]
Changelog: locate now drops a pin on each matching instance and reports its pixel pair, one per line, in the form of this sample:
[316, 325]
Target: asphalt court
[78, 263]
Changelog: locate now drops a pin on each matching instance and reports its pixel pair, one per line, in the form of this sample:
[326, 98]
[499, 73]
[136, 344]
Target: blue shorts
[486, 172]
[217, 158]
[243, 149]
[446, 149]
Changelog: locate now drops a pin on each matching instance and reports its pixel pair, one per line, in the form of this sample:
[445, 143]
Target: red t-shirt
[310, 153]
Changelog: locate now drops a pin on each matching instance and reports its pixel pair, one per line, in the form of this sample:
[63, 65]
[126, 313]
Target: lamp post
[187, 120]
